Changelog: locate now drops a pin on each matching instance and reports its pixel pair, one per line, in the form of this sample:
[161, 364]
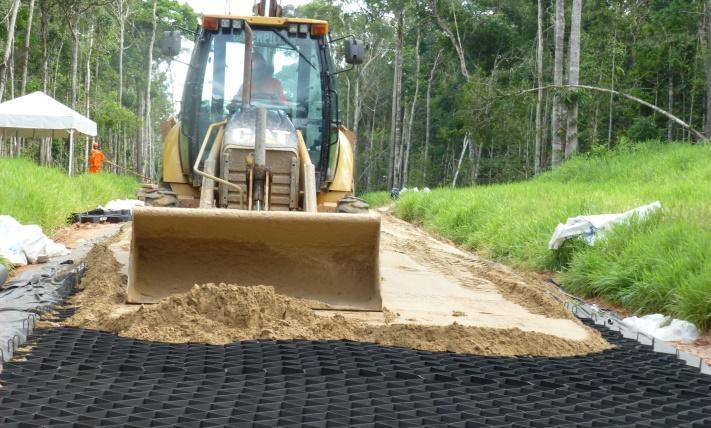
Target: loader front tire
[159, 197]
[352, 205]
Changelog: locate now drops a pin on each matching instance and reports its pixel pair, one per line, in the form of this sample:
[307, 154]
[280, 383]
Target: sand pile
[219, 314]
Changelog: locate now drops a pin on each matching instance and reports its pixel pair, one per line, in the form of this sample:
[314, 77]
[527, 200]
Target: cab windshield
[286, 75]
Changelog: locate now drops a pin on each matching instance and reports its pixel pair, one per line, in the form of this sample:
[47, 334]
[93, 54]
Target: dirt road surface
[437, 296]
[428, 281]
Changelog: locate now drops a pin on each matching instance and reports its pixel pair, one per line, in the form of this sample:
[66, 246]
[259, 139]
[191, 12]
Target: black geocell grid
[75, 377]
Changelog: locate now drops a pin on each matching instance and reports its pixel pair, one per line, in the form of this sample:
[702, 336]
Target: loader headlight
[303, 28]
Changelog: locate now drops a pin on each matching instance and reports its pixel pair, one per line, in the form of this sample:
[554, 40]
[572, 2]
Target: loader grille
[285, 172]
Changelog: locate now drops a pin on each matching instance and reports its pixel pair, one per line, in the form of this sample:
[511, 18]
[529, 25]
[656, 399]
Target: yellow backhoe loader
[261, 170]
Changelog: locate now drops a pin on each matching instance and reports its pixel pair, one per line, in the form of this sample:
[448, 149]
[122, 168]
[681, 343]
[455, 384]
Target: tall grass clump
[376, 199]
[47, 196]
[659, 264]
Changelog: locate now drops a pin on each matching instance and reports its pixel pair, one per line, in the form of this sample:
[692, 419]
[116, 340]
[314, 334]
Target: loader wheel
[352, 205]
[159, 197]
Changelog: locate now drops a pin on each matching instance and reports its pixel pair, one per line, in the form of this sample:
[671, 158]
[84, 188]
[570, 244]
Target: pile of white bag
[23, 244]
[664, 328]
[591, 227]
[122, 204]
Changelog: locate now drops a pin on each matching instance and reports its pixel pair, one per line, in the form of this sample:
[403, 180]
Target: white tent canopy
[38, 115]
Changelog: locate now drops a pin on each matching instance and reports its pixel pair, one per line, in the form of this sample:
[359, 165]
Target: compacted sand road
[436, 296]
[428, 281]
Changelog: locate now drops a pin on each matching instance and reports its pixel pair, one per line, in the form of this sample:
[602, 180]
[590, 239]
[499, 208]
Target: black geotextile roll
[75, 377]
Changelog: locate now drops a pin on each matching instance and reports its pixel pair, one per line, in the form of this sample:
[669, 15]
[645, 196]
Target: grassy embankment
[662, 264]
[47, 196]
[376, 199]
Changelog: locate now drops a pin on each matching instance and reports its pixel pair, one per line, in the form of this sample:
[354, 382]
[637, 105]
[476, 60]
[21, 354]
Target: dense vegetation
[475, 58]
[47, 196]
[446, 93]
[660, 264]
[97, 57]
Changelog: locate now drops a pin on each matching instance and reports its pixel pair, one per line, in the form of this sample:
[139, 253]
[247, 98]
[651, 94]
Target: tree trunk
[26, 52]
[395, 117]
[11, 69]
[75, 60]
[56, 69]
[612, 87]
[571, 144]
[707, 129]
[670, 105]
[88, 70]
[539, 98]
[595, 120]
[139, 159]
[150, 172]
[480, 146]
[44, 32]
[558, 113]
[465, 143]
[406, 161]
[456, 41]
[473, 161]
[427, 117]
[122, 15]
[8, 46]
[371, 141]
[401, 147]
[546, 134]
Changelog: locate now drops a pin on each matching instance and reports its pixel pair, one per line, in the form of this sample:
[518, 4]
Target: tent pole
[71, 151]
[86, 154]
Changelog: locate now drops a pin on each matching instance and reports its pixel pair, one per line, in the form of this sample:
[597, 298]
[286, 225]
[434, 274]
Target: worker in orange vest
[96, 159]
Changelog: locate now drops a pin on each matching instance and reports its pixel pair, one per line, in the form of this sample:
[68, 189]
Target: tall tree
[558, 111]
[122, 11]
[430, 81]
[8, 46]
[455, 39]
[26, 51]
[408, 139]
[707, 130]
[44, 35]
[539, 95]
[150, 171]
[396, 114]
[571, 143]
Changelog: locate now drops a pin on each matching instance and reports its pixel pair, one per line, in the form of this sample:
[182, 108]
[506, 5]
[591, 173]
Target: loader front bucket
[327, 257]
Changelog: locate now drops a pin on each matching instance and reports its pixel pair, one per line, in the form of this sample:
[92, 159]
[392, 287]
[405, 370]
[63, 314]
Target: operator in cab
[265, 87]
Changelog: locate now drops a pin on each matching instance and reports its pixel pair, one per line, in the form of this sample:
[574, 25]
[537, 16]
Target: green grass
[47, 196]
[377, 199]
[662, 264]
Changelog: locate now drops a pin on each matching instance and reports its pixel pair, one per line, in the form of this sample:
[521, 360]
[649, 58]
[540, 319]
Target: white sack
[122, 204]
[591, 227]
[26, 244]
[659, 327]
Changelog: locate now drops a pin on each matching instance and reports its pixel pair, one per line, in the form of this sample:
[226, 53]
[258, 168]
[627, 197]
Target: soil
[71, 236]
[219, 314]
[101, 289]
[430, 281]
[701, 347]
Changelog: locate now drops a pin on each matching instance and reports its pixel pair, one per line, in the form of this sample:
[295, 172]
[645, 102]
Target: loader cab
[297, 79]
